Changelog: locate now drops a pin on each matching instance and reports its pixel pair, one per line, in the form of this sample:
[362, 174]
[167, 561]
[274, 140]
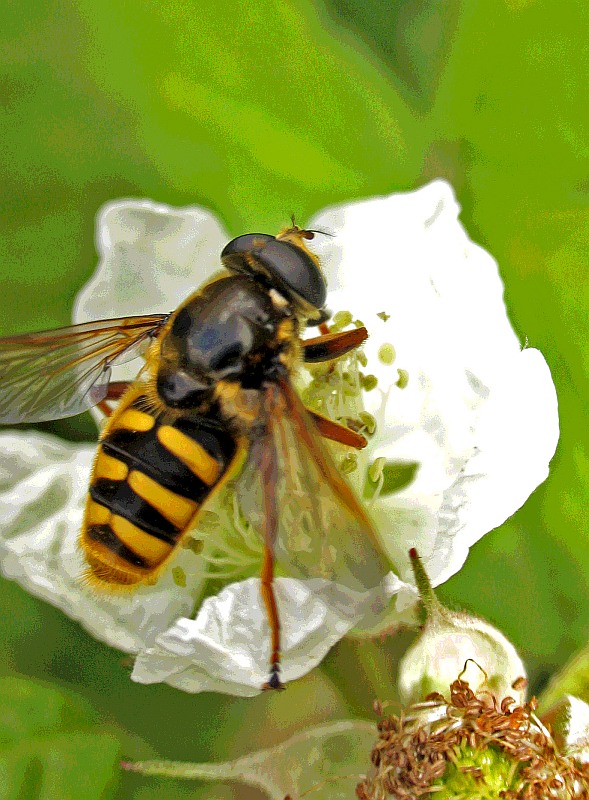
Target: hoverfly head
[285, 261]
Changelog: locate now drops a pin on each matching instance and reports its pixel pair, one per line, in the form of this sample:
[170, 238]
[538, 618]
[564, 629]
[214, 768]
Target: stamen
[375, 471]
[208, 522]
[196, 545]
[369, 423]
[386, 354]
[179, 577]
[349, 463]
[340, 320]
[376, 475]
[403, 378]
[229, 547]
[369, 382]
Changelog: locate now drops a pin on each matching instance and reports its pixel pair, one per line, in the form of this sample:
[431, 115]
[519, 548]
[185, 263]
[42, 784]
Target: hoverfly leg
[336, 432]
[332, 345]
[105, 408]
[267, 579]
[116, 389]
[327, 347]
[269, 471]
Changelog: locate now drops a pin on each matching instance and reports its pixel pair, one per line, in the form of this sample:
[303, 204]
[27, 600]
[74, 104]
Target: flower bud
[456, 644]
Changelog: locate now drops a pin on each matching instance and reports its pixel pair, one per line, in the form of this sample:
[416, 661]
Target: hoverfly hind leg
[267, 589]
[274, 681]
[337, 432]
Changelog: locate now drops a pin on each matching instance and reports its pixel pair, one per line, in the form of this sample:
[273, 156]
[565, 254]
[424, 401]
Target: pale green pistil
[476, 775]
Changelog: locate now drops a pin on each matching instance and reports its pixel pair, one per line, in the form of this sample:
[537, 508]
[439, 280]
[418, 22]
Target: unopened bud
[456, 644]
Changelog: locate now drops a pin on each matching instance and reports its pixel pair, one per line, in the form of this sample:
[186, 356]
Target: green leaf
[256, 112]
[329, 760]
[28, 709]
[49, 746]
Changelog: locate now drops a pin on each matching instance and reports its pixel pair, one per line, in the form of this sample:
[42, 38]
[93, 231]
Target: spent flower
[481, 739]
[462, 423]
[467, 744]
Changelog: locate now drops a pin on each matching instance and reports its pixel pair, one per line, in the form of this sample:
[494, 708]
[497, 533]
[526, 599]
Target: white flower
[466, 424]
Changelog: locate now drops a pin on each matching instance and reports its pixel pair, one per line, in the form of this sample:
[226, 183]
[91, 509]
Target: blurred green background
[255, 109]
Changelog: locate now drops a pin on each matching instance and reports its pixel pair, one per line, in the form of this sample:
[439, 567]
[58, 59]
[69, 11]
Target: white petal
[151, 257]
[395, 250]
[43, 486]
[516, 436]
[227, 647]
[478, 414]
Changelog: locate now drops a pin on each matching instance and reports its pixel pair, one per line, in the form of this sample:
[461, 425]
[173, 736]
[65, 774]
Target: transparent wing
[293, 494]
[60, 373]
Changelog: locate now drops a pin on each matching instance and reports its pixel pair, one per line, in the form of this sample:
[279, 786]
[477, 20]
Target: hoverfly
[213, 402]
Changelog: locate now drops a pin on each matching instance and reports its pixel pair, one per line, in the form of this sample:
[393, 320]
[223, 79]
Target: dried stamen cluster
[498, 749]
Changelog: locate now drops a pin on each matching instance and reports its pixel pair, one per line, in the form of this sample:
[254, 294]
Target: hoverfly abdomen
[149, 481]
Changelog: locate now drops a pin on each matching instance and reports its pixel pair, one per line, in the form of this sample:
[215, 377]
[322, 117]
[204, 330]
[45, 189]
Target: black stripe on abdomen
[142, 450]
[120, 498]
[103, 534]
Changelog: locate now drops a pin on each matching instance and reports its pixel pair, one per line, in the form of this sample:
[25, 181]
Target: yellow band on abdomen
[176, 509]
[190, 453]
[152, 550]
[135, 420]
[108, 467]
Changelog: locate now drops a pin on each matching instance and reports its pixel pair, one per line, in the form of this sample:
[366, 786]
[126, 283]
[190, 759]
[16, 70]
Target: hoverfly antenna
[323, 233]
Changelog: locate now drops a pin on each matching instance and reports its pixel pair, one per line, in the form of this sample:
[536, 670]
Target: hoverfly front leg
[326, 348]
[332, 345]
[116, 389]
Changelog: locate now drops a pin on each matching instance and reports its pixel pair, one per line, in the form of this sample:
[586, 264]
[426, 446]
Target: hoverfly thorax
[229, 331]
[286, 264]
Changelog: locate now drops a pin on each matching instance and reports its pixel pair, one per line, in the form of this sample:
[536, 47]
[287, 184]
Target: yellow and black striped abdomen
[149, 481]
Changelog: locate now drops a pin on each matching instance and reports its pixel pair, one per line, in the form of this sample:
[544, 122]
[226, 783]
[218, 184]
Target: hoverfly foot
[274, 682]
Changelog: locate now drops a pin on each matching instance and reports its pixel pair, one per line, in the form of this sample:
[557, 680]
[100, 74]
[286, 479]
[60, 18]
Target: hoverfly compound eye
[242, 245]
[290, 267]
